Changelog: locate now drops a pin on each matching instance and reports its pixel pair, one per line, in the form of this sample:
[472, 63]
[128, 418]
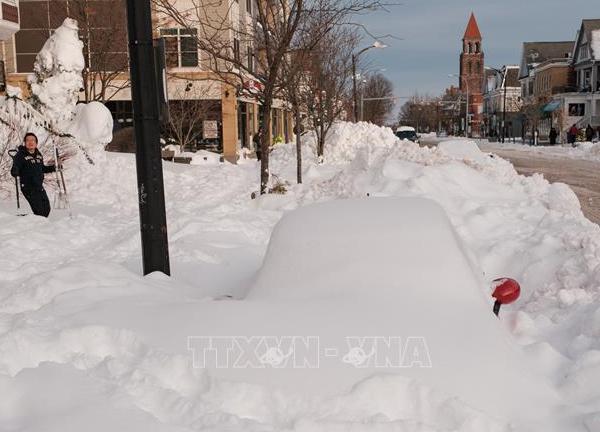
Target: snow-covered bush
[57, 80]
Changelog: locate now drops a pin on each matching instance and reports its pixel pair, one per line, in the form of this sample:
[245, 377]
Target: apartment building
[229, 115]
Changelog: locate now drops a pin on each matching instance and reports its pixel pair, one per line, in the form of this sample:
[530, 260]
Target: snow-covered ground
[86, 343]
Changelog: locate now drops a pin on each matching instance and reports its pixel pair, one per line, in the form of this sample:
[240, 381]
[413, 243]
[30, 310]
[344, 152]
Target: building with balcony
[579, 104]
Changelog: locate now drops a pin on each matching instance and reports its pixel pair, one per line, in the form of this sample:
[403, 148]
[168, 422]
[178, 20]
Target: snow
[81, 332]
[57, 81]
[595, 44]
[405, 129]
[92, 124]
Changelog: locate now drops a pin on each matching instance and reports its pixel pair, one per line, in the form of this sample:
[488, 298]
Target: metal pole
[354, 90]
[467, 110]
[151, 196]
[504, 108]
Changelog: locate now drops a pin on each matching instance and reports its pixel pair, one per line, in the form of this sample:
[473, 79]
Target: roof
[588, 28]
[472, 30]
[538, 52]
[512, 77]
[589, 25]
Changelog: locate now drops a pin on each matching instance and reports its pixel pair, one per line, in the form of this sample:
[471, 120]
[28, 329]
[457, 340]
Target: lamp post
[355, 57]
[146, 115]
[462, 78]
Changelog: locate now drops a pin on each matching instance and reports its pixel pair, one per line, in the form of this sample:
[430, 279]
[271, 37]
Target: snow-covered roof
[405, 129]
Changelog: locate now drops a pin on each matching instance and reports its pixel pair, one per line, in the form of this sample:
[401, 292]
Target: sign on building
[210, 129]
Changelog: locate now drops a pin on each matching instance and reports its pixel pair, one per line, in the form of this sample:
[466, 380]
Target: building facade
[502, 102]
[545, 71]
[471, 76]
[224, 118]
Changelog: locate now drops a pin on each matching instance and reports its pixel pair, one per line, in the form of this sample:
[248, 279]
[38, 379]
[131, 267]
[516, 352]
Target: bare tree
[103, 30]
[269, 38]
[378, 92]
[329, 76]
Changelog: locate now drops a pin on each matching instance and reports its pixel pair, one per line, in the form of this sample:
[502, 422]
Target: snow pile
[81, 332]
[57, 81]
[92, 124]
[462, 149]
[346, 139]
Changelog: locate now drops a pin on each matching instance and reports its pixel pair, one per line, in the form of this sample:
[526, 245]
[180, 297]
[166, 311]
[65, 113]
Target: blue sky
[432, 31]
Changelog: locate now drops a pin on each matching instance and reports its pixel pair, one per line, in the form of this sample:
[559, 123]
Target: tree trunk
[298, 121]
[265, 144]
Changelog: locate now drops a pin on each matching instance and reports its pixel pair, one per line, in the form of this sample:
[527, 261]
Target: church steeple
[472, 30]
[471, 71]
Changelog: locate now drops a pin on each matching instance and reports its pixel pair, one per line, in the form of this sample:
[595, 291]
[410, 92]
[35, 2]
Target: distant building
[545, 71]
[471, 75]
[502, 89]
[580, 104]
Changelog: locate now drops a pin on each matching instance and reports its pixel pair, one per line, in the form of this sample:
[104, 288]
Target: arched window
[477, 47]
[469, 67]
[477, 67]
[470, 47]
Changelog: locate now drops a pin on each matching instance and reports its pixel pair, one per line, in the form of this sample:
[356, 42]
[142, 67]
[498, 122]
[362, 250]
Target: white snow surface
[88, 343]
[92, 124]
[595, 42]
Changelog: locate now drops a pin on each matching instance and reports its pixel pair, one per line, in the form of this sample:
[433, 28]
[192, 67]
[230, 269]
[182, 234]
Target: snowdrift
[74, 309]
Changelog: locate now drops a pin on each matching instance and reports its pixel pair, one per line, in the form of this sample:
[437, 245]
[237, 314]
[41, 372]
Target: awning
[551, 107]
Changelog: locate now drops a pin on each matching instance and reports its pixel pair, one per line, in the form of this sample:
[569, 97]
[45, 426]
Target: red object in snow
[506, 290]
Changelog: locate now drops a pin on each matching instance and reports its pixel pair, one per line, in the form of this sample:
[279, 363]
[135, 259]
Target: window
[181, 47]
[576, 110]
[477, 47]
[236, 49]
[249, 6]
[469, 67]
[250, 54]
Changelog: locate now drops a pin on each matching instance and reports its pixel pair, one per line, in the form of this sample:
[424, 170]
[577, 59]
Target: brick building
[471, 75]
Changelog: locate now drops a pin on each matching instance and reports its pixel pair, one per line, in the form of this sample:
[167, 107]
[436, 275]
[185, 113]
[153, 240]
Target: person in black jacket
[28, 165]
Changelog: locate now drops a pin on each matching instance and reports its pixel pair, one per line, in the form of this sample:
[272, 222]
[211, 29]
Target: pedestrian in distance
[553, 134]
[589, 133]
[28, 166]
[257, 143]
[572, 135]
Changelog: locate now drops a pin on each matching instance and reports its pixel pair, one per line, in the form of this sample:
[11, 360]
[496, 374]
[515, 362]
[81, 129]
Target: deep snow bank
[78, 308]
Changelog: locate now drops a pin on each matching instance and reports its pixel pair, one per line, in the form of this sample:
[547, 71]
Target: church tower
[471, 73]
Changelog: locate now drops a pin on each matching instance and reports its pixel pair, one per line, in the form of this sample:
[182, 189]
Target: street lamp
[355, 57]
[504, 74]
[467, 107]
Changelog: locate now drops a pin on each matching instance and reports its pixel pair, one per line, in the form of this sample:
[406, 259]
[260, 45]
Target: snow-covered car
[408, 133]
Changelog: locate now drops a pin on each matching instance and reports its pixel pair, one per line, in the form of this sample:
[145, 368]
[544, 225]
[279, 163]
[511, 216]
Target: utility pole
[504, 106]
[146, 121]
[355, 57]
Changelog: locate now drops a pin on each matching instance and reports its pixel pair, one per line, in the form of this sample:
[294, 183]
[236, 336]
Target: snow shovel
[12, 153]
